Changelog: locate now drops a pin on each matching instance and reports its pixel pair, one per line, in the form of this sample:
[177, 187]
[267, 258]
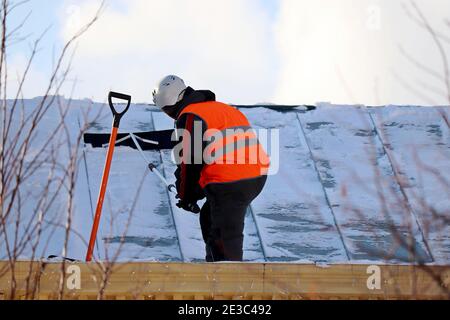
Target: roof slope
[354, 183]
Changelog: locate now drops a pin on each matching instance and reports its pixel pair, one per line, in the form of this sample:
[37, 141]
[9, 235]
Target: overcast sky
[247, 51]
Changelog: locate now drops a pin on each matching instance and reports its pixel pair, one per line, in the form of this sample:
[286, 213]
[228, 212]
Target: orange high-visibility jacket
[231, 155]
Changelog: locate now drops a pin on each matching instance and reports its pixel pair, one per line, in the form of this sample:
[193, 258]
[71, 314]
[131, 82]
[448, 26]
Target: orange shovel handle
[101, 195]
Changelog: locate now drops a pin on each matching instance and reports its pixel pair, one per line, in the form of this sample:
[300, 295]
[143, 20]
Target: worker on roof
[219, 158]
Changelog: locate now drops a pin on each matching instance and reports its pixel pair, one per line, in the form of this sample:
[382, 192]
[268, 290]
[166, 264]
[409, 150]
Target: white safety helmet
[168, 91]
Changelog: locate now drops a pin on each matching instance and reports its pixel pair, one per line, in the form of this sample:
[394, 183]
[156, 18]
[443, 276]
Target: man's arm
[188, 172]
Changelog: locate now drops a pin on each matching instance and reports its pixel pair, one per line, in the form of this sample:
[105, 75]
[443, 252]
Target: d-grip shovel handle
[118, 115]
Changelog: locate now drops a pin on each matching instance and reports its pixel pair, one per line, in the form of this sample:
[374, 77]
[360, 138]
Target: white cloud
[35, 83]
[226, 46]
[314, 50]
[347, 51]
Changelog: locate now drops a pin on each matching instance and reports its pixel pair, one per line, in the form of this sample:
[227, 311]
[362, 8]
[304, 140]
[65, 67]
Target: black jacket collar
[191, 96]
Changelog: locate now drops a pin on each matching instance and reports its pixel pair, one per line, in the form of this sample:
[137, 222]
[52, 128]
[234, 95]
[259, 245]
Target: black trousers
[222, 217]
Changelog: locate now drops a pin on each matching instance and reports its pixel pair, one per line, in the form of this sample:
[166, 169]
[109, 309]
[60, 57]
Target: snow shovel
[152, 167]
[190, 207]
[117, 116]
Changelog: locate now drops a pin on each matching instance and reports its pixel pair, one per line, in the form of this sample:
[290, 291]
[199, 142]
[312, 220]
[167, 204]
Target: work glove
[188, 206]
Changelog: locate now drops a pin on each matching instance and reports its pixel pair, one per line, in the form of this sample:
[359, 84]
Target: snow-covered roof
[354, 184]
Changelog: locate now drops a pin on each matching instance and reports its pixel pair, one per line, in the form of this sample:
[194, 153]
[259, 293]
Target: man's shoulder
[208, 104]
